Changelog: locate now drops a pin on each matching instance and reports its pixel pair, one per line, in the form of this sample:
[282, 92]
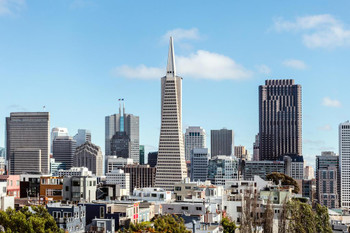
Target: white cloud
[328, 102]
[322, 31]
[325, 127]
[11, 7]
[264, 69]
[295, 64]
[201, 65]
[139, 72]
[182, 34]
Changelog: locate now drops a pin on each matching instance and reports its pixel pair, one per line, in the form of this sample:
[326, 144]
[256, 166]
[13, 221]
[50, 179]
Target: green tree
[170, 223]
[228, 225]
[322, 219]
[276, 177]
[36, 220]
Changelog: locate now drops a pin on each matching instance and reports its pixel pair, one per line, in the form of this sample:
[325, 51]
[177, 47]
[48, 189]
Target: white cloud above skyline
[263, 69]
[180, 34]
[11, 7]
[201, 64]
[295, 64]
[318, 31]
[326, 127]
[328, 102]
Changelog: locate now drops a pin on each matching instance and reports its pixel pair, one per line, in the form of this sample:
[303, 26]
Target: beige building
[89, 155]
[171, 164]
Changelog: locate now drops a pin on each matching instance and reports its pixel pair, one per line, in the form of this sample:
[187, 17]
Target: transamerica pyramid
[171, 164]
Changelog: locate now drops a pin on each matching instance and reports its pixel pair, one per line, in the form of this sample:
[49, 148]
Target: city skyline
[324, 104]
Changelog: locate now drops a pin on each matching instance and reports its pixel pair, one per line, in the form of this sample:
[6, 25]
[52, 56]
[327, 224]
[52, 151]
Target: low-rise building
[101, 225]
[70, 218]
[151, 195]
[262, 168]
[114, 162]
[118, 177]
[51, 188]
[222, 168]
[74, 171]
[30, 185]
[5, 201]
[79, 188]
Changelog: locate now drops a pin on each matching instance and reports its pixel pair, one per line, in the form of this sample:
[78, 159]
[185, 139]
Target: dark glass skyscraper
[279, 119]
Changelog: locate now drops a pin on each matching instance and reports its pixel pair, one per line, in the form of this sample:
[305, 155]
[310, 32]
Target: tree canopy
[228, 225]
[36, 220]
[276, 177]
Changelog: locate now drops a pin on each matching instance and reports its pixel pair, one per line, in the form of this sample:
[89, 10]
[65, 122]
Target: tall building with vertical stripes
[344, 159]
[171, 164]
[279, 119]
[28, 136]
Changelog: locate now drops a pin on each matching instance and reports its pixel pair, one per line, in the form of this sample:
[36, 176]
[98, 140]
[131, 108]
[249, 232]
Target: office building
[241, 152]
[309, 173]
[28, 134]
[74, 171]
[256, 148]
[221, 142]
[195, 137]
[82, 136]
[114, 162]
[171, 163]
[123, 122]
[142, 154]
[344, 158]
[26, 160]
[152, 158]
[63, 150]
[141, 176]
[263, 168]
[89, 155]
[199, 164]
[58, 131]
[280, 122]
[222, 168]
[120, 145]
[119, 177]
[55, 166]
[296, 168]
[327, 170]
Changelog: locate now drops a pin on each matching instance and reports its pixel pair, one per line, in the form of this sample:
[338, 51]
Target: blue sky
[78, 57]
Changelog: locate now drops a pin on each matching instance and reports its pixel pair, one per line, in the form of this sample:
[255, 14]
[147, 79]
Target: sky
[78, 57]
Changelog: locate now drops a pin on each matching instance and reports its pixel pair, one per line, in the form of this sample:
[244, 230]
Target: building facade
[82, 136]
[325, 163]
[221, 142]
[344, 158]
[121, 145]
[222, 168]
[199, 164]
[123, 122]
[118, 177]
[63, 150]
[142, 154]
[171, 163]
[58, 131]
[280, 119]
[241, 152]
[114, 162]
[141, 176]
[89, 155]
[195, 137]
[28, 134]
[152, 158]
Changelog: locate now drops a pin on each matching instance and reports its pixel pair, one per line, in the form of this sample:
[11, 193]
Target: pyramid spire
[171, 69]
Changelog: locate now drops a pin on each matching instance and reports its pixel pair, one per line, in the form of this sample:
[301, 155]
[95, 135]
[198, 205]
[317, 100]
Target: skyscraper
[82, 136]
[279, 119]
[64, 149]
[142, 154]
[120, 145]
[171, 164]
[221, 142]
[199, 164]
[327, 179]
[28, 135]
[123, 122]
[344, 159]
[58, 131]
[195, 137]
[241, 152]
[89, 155]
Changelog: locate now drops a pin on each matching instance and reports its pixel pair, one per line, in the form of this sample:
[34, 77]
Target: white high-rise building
[195, 138]
[171, 163]
[344, 163]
